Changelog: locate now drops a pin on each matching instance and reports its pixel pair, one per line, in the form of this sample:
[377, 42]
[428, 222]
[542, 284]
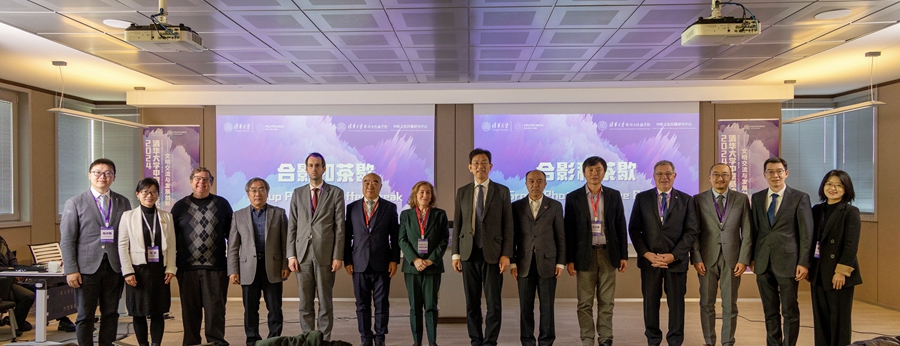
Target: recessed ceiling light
[116, 23]
[833, 14]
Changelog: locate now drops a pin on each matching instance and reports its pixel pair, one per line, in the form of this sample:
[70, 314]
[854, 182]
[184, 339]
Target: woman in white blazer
[147, 253]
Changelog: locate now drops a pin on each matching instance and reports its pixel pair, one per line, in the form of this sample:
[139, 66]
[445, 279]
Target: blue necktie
[665, 206]
[479, 216]
[771, 211]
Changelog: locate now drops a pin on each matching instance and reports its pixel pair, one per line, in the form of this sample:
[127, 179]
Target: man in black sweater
[202, 222]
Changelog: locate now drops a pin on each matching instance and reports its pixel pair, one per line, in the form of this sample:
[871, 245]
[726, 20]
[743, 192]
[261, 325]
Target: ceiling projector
[720, 31]
[164, 38]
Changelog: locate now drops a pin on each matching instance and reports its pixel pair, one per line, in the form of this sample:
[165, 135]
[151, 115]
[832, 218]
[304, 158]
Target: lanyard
[151, 228]
[595, 205]
[108, 209]
[369, 215]
[422, 221]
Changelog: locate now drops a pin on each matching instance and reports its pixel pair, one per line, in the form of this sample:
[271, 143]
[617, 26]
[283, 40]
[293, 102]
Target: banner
[170, 153]
[745, 145]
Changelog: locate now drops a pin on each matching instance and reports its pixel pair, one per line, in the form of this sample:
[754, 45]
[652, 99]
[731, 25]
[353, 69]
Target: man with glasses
[202, 222]
[722, 251]
[782, 218]
[663, 229]
[89, 233]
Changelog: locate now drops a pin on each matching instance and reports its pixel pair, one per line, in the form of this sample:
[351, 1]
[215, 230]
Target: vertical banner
[170, 153]
[745, 145]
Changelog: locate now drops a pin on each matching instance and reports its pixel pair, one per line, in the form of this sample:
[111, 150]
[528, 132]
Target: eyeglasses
[833, 185]
[108, 174]
[202, 179]
[723, 176]
[775, 172]
[262, 190]
[146, 193]
[661, 174]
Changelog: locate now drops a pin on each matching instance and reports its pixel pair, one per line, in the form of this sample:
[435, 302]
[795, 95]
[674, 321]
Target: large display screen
[557, 144]
[274, 147]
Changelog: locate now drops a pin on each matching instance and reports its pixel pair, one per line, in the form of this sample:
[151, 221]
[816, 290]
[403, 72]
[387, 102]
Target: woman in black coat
[835, 270]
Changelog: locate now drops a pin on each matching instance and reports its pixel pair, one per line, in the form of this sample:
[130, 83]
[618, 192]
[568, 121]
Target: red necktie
[315, 199]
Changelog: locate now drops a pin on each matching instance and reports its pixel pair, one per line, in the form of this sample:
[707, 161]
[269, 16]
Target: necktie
[479, 215]
[369, 206]
[665, 205]
[720, 203]
[103, 206]
[771, 211]
[315, 199]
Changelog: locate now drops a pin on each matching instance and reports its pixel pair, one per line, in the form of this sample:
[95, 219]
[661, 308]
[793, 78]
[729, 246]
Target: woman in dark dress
[835, 270]
[424, 233]
[147, 253]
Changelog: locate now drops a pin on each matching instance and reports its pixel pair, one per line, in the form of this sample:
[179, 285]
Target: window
[845, 141]
[80, 141]
[8, 194]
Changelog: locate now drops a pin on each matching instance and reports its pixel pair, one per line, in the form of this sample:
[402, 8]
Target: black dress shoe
[607, 342]
[66, 325]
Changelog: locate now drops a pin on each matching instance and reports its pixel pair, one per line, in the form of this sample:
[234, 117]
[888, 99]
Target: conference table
[40, 303]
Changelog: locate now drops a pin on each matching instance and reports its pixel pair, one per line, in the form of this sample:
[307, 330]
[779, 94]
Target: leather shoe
[606, 342]
[66, 325]
[379, 342]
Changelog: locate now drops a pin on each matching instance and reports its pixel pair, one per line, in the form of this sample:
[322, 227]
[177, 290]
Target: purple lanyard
[108, 209]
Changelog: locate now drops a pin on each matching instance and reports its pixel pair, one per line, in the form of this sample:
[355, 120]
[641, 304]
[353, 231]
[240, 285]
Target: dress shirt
[600, 214]
[109, 203]
[485, 183]
[259, 227]
[777, 202]
[659, 200]
[535, 206]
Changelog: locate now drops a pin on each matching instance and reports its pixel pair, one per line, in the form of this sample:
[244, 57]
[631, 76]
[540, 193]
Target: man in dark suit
[482, 246]
[722, 251]
[371, 255]
[315, 246]
[539, 249]
[88, 239]
[663, 229]
[783, 221]
[596, 247]
[256, 259]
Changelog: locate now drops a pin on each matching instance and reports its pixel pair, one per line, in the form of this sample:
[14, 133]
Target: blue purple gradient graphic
[558, 143]
[399, 148]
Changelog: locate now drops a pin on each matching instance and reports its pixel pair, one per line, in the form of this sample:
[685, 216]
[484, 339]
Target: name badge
[422, 246]
[816, 254]
[597, 232]
[153, 254]
[107, 235]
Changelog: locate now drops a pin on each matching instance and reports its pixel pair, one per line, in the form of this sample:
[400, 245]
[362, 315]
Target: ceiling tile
[563, 53]
[628, 52]
[810, 49]
[730, 64]
[554, 66]
[680, 66]
[677, 51]
[350, 20]
[162, 69]
[700, 74]
[423, 3]
[599, 77]
[441, 67]
[598, 2]
[90, 42]
[613, 65]
[889, 14]
[188, 80]
[764, 50]
[130, 57]
[211, 68]
[547, 77]
[320, 68]
[650, 76]
[768, 13]
[791, 33]
[499, 66]
[375, 54]
[95, 20]
[66, 6]
[343, 39]
[271, 68]
[510, 3]
[295, 40]
[589, 17]
[171, 5]
[508, 17]
[272, 21]
[307, 5]
[288, 79]
[457, 38]
[763, 67]
[203, 22]
[666, 16]
[298, 55]
[429, 19]
[436, 53]
[372, 67]
[575, 37]
[257, 55]
[645, 37]
[442, 78]
[232, 41]
[238, 79]
[853, 31]
[253, 5]
[806, 16]
[204, 56]
[45, 23]
[391, 78]
[504, 37]
[340, 79]
[501, 53]
[497, 77]
[20, 6]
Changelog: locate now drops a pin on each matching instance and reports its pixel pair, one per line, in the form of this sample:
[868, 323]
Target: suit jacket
[542, 238]
[838, 238]
[578, 227]
[497, 239]
[675, 236]
[79, 233]
[786, 244]
[437, 231]
[733, 237]
[372, 247]
[133, 250]
[322, 232]
[242, 258]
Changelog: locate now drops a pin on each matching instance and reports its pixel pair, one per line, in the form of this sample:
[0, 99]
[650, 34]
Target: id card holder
[422, 246]
[107, 235]
[153, 254]
[816, 254]
[597, 228]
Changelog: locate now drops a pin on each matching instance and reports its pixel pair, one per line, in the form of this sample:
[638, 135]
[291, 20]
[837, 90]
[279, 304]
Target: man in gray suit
[88, 237]
[256, 259]
[782, 218]
[315, 246]
[722, 251]
[539, 257]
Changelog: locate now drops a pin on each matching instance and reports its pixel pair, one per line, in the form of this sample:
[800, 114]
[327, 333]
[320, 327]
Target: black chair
[7, 304]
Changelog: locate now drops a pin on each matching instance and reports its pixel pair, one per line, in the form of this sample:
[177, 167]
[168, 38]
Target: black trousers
[271, 293]
[775, 291]
[369, 287]
[546, 293]
[203, 291]
[478, 275]
[831, 315]
[157, 327]
[103, 287]
[24, 299]
[653, 282]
